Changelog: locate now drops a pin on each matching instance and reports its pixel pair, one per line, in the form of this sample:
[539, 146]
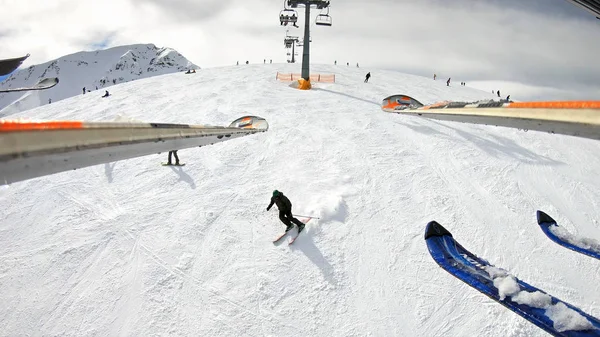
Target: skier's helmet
[276, 193]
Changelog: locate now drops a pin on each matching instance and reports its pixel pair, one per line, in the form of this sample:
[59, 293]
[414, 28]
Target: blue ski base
[546, 222]
[467, 267]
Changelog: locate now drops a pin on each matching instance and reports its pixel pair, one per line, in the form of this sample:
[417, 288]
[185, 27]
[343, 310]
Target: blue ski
[556, 317]
[560, 235]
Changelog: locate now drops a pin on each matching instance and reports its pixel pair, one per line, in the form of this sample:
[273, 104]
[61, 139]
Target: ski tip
[435, 229]
[544, 218]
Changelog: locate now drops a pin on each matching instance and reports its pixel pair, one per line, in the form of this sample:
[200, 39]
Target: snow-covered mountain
[94, 70]
[133, 248]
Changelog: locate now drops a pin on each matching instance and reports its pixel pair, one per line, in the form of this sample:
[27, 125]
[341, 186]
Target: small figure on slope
[285, 211]
[106, 94]
[173, 153]
[367, 77]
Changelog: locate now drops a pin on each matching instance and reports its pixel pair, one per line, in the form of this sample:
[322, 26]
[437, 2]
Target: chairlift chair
[288, 15]
[323, 20]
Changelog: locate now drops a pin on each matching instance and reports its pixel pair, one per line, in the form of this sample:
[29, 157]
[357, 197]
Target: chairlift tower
[290, 42]
[319, 4]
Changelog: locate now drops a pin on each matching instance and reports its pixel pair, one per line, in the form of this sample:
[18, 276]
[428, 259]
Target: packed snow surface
[133, 248]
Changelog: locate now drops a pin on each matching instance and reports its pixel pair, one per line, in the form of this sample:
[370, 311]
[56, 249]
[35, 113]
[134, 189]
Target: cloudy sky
[531, 49]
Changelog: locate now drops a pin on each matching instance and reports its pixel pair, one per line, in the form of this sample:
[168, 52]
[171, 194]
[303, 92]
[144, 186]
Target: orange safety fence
[322, 78]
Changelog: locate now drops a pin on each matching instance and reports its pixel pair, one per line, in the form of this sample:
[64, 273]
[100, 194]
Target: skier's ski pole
[306, 216]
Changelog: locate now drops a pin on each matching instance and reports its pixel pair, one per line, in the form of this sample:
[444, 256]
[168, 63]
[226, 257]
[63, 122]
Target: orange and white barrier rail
[33, 149]
[575, 118]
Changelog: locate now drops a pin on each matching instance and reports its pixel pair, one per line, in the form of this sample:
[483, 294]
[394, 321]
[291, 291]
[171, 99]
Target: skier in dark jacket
[285, 211]
[367, 77]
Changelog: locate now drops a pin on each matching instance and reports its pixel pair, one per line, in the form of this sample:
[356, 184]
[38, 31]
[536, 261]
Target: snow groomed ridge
[574, 118]
[34, 149]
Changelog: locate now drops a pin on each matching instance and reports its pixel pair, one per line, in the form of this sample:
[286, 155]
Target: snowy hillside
[133, 248]
[96, 69]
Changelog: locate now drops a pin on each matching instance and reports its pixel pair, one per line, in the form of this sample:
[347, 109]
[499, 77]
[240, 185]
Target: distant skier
[173, 153]
[498, 93]
[84, 90]
[106, 94]
[357, 66]
[285, 211]
[49, 100]
[367, 77]
[270, 61]
[448, 81]
[335, 63]
[508, 98]
[434, 76]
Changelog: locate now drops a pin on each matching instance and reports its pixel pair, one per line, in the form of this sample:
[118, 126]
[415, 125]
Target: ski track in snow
[133, 248]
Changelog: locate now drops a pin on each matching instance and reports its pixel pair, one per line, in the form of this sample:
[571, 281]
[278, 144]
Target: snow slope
[94, 69]
[133, 248]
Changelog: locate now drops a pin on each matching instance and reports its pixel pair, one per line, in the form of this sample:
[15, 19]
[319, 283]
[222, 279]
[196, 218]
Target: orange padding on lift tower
[556, 105]
[8, 126]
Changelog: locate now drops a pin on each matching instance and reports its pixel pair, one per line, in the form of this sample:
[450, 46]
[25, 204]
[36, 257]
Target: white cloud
[466, 40]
